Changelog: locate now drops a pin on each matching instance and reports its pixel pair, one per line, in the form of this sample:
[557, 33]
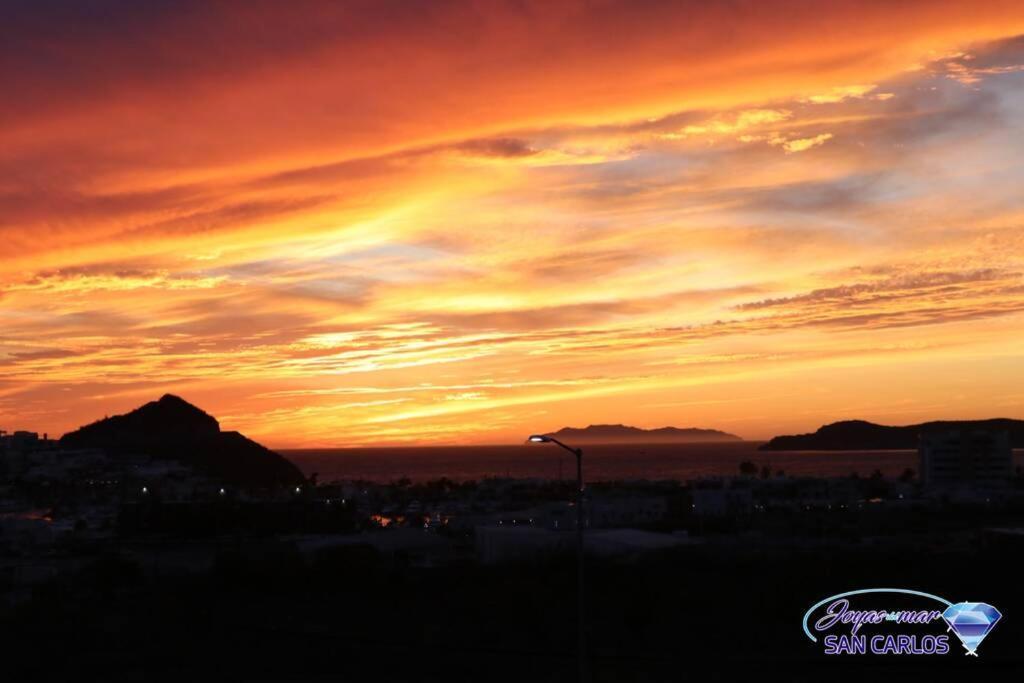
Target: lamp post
[581, 644]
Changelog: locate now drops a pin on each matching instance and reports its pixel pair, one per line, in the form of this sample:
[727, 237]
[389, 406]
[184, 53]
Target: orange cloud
[345, 223]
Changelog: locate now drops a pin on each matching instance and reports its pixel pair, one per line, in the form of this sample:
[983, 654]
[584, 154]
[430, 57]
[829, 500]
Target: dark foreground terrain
[707, 613]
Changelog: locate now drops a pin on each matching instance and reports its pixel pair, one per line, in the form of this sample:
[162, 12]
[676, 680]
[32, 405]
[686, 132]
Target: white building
[965, 459]
[621, 511]
[721, 501]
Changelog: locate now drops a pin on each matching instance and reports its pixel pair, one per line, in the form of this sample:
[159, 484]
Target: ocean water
[601, 463]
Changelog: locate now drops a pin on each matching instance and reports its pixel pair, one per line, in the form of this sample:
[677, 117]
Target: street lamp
[581, 646]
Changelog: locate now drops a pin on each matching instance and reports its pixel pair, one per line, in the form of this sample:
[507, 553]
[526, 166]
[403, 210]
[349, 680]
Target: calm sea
[601, 463]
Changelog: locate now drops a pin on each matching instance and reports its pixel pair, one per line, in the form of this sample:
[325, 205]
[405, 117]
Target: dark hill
[858, 435]
[626, 434]
[174, 429]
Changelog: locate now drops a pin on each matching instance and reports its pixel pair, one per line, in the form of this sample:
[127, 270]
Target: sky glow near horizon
[388, 223]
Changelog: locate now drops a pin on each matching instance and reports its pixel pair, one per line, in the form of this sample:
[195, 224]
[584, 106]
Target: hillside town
[64, 507]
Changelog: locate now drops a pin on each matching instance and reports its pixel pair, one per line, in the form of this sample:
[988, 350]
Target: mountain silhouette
[174, 429]
[858, 435]
[627, 434]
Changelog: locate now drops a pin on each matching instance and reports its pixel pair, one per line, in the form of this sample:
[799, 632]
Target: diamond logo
[971, 622]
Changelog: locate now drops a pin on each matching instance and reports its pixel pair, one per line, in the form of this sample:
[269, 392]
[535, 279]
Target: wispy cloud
[359, 227]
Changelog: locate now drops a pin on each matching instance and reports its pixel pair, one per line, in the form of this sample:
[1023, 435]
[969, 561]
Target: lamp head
[539, 438]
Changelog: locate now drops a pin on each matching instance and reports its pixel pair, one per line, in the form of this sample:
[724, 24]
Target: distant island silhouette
[174, 429]
[625, 434]
[859, 435]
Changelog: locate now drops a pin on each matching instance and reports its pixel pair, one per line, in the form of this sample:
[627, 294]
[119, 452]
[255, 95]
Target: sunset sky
[334, 224]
